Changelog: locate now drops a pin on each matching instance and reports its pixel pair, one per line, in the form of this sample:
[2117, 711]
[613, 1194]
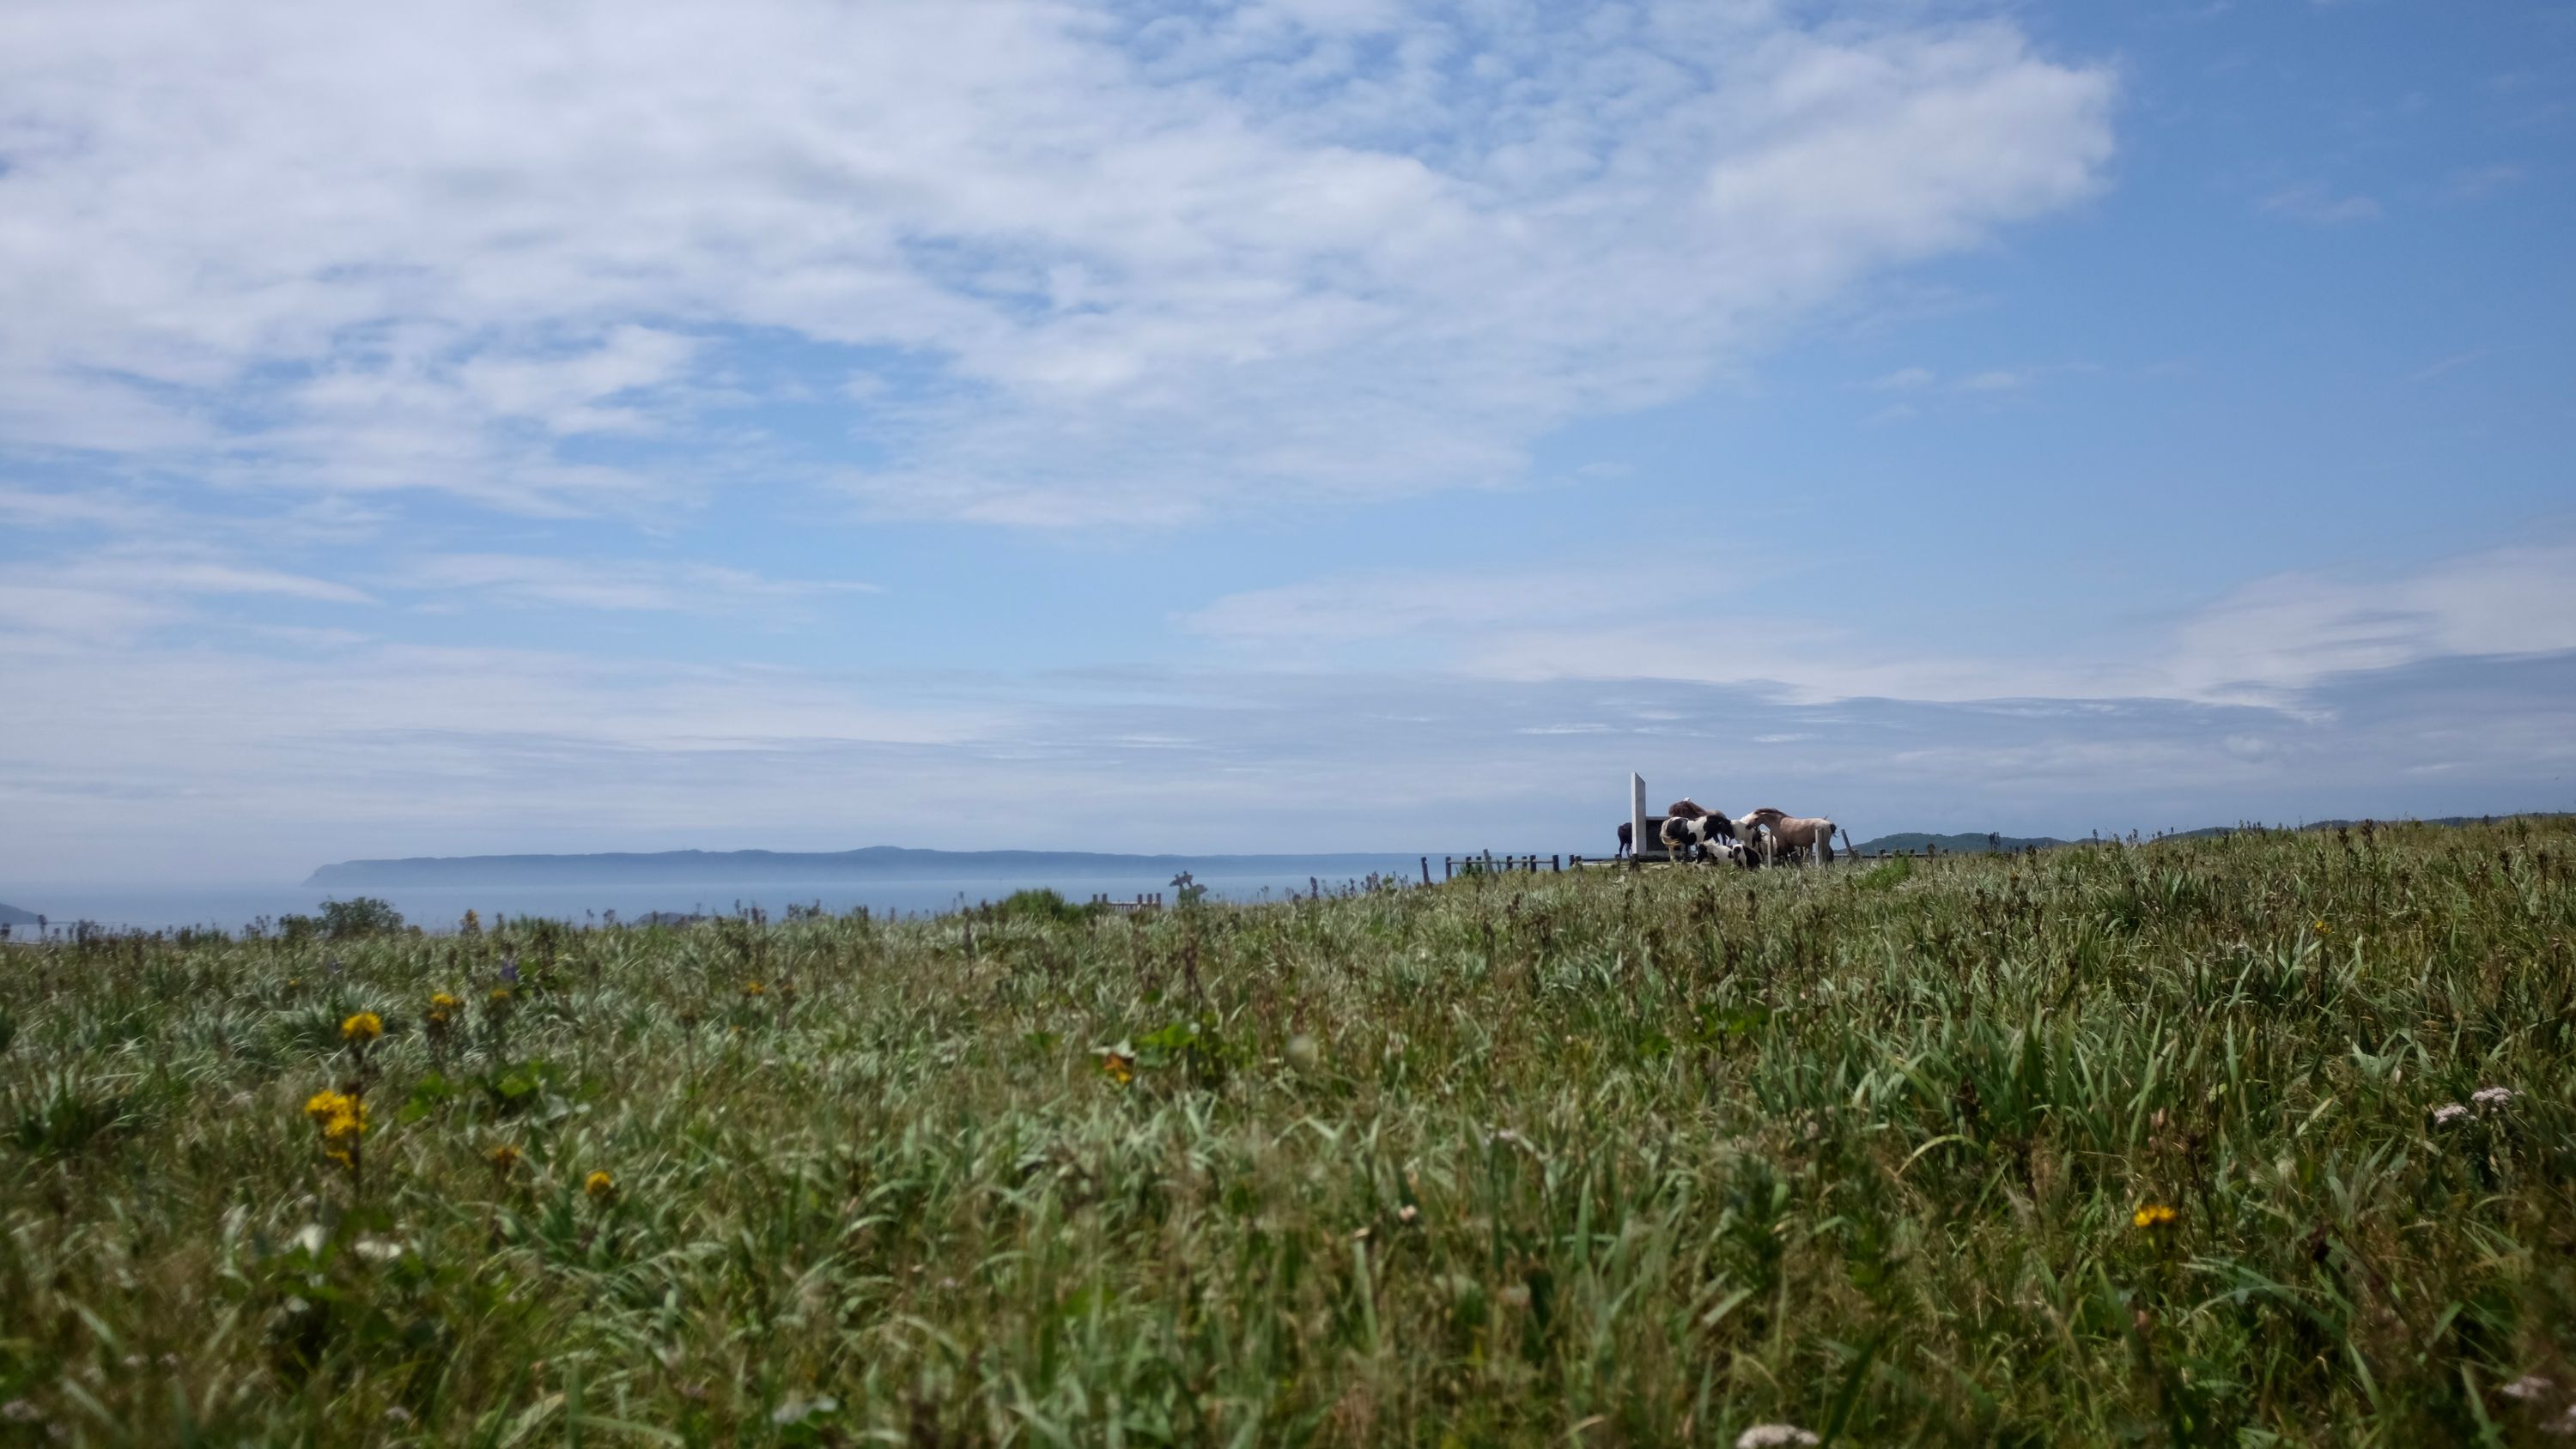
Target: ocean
[440, 908]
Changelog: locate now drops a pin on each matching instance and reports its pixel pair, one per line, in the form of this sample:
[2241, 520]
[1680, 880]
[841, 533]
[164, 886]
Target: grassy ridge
[1616, 1158]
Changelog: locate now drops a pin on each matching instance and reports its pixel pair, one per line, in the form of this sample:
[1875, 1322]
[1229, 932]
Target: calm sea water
[439, 908]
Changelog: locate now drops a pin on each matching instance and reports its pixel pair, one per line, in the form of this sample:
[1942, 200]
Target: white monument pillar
[1637, 841]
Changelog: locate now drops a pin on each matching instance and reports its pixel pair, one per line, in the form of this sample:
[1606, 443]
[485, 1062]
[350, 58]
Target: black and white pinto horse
[1682, 811]
[1697, 837]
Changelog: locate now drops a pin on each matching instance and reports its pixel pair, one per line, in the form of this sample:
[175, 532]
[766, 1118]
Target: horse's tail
[1825, 847]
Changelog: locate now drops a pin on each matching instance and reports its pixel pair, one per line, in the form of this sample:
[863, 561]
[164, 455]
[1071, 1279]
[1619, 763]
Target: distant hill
[1968, 844]
[1962, 844]
[774, 867]
[12, 916]
[2452, 821]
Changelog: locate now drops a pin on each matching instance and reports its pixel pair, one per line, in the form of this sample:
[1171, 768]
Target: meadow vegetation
[2264, 1139]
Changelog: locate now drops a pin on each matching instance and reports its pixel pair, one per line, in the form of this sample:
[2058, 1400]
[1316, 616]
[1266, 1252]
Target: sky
[1271, 426]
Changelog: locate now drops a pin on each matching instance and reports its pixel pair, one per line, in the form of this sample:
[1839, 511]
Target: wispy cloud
[2315, 203]
[675, 587]
[2256, 645]
[2477, 183]
[1385, 605]
[374, 749]
[2448, 364]
[111, 595]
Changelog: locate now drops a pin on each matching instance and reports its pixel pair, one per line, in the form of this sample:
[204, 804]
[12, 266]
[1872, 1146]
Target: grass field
[2106, 1145]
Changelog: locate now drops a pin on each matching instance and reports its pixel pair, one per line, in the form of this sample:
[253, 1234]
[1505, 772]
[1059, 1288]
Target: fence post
[1448, 867]
[1426, 870]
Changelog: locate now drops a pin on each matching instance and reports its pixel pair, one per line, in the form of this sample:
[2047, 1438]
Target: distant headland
[778, 867]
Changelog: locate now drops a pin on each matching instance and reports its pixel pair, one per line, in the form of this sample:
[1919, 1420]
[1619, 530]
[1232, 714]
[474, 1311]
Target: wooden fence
[1488, 863]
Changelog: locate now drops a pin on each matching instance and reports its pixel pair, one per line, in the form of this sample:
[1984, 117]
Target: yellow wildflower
[599, 1185]
[443, 1007]
[754, 988]
[2153, 1216]
[342, 1120]
[500, 996]
[2323, 929]
[1120, 1067]
[366, 1026]
[503, 1158]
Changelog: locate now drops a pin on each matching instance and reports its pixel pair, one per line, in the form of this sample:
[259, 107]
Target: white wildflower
[1773, 1436]
[310, 1237]
[2487, 1097]
[2529, 1386]
[2444, 1116]
[397, 1414]
[1407, 1213]
[379, 1250]
[19, 1411]
[797, 1411]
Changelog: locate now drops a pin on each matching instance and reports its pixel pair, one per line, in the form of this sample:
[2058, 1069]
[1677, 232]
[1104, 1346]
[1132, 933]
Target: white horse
[1783, 832]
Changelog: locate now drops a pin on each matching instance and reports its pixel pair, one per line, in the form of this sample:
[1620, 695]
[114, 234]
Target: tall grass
[1606, 1158]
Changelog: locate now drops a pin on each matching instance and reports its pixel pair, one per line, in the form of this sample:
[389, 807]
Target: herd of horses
[1692, 831]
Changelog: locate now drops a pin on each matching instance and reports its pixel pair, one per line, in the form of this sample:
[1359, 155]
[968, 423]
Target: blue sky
[1294, 424]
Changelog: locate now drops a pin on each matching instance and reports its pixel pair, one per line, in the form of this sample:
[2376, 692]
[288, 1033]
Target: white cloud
[2293, 630]
[2260, 644]
[567, 393]
[1121, 265]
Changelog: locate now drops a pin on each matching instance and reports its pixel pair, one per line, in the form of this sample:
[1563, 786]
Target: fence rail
[1487, 862]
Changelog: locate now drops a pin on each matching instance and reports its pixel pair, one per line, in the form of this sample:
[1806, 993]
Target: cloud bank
[1057, 263]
